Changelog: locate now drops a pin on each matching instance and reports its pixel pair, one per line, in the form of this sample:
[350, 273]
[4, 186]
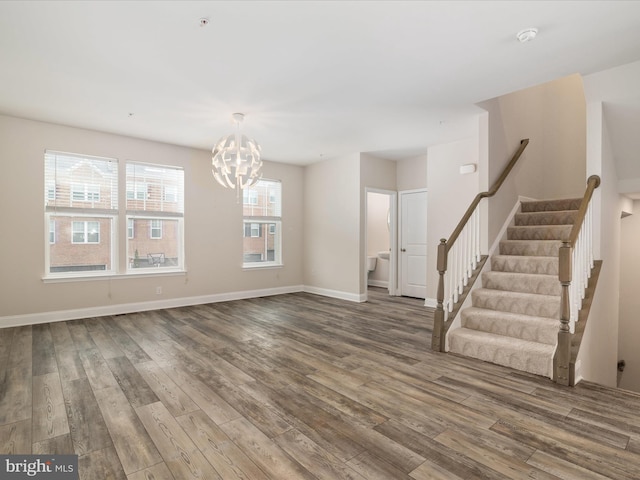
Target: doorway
[381, 239]
[412, 274]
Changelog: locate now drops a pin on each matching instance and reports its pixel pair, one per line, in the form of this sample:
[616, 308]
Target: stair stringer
[509, 222]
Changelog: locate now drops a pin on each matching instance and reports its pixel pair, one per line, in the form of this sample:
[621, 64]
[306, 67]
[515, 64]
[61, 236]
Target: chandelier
[236, 159]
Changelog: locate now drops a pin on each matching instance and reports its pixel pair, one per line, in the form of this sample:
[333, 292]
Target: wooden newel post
[437, 338]
[563, 354]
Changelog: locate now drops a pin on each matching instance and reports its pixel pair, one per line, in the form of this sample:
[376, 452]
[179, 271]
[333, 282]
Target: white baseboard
[62, 315]
[378, 283]
[325, 292]
[104, 310]
[430, 302]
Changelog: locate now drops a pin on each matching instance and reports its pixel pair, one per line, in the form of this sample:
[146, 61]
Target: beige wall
[412, 173]
[332, 227]
[450, 194]
[553, 117]
[213, 225]
[629, 326]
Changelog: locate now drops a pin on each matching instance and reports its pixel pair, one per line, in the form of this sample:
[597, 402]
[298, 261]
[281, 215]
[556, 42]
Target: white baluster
[477, 239]
[454, 273]
[461, 264]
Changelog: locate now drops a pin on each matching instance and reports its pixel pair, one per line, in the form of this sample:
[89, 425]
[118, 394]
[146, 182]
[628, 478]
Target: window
[50, 194]
[156, 228]
[262, 205]
[52, 231]
[252, 230]
[250, 196]
[85, 232]
[170, 194]
[85, 193]
[156, 216]
[81, 209]
[137, 191]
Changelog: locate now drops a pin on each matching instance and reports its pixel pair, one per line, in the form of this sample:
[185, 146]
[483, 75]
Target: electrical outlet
[158, 290]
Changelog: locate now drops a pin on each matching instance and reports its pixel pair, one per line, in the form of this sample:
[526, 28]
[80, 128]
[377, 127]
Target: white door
[413, 243]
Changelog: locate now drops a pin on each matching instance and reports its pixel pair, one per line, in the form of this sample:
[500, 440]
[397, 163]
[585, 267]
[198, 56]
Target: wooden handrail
[593, 182]
[490, 193]
[439, 330]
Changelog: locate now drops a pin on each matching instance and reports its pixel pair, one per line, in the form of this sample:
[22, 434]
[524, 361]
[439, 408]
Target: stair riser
[551, 205]
[545, 218]
[539, 307]
[538, 284]
[536, 248]
[548, 232]
[532, 363]
[540, 332]
[520, 264]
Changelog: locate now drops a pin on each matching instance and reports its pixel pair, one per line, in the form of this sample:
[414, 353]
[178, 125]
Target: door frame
[399, 232]
[393, 238]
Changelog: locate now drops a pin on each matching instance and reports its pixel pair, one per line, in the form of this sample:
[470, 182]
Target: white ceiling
[315, 78]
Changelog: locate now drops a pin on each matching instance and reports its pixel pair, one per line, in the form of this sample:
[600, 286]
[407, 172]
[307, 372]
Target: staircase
[514, 317]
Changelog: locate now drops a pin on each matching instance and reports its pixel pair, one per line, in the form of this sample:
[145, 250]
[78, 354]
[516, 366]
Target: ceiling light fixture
[527, 34]
[236, 159]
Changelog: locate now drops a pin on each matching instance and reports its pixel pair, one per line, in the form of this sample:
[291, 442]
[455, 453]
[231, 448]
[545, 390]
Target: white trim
[378, 283]
[62, 315]
[430, 302]
[88, 276]
[325, 292]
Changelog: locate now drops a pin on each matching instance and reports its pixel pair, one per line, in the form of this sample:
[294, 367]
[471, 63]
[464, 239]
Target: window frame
[79, 188]
[101, 208]
[269, 219]
[163, 204]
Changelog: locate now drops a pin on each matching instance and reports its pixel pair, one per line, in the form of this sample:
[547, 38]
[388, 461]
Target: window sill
[112, 276]
[261, 266]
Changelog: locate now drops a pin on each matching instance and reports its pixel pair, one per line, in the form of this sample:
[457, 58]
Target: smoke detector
[527, 34]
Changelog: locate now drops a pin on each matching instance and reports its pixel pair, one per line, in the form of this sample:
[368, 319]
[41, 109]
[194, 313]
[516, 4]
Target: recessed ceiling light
[527, 35]
[204, 21]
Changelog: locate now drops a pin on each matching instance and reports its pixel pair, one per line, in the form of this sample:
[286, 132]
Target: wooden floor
[297, 387]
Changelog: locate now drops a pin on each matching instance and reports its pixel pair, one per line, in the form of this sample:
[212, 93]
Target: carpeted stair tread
[517, 302]
[514, 317]
[562, 217]
[536, 248]
[524, 327]
[551, 205]
[525, 264]
[532, 357]
[522, 282]
[539, 232]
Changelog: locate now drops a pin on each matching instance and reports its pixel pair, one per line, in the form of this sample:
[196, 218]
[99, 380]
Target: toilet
[371, 263]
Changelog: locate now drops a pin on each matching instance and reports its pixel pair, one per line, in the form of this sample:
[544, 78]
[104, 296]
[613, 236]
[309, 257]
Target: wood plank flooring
[297, 386]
